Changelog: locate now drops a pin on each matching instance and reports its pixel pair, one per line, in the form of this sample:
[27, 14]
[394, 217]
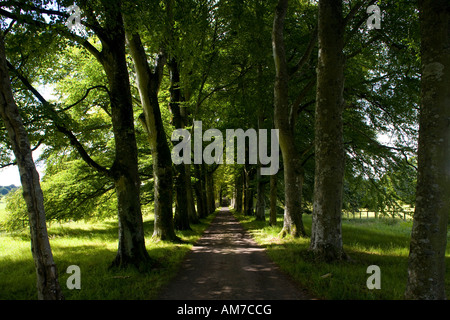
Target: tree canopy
[134, 71]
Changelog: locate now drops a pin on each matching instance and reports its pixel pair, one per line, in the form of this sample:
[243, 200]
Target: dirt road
[227, 263]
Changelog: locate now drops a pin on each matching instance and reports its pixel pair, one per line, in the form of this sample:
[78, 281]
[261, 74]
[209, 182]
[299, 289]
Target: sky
[10, 175]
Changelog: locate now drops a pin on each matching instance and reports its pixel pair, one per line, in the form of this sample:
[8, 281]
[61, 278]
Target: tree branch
[61, 30]
[306, 54]
[294, 110]
[84, 97]
[58, 124]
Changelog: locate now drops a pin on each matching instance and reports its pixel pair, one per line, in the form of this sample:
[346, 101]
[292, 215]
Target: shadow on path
[225, 264]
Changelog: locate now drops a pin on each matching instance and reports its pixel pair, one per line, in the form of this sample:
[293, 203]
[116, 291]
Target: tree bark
[273, 200]
[200, 192]
[210, 197]
[181, 182]
[326, 234]
[426, 263]
[260, 212]
[238, 189]
[124, 171]
[48, 287]
[148, 84]
[293, 171]
[248, 190]
[192, 212]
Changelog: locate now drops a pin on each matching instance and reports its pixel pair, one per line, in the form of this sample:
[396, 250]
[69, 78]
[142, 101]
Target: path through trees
[227, 264]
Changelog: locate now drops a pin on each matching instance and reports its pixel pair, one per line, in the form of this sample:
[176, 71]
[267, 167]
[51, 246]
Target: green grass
[382, 242]
[92, 247]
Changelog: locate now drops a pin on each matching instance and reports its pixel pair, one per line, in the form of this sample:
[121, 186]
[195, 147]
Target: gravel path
[226, 264]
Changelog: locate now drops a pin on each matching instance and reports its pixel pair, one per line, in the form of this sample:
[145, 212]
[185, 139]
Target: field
[382, 242]
[92, 247]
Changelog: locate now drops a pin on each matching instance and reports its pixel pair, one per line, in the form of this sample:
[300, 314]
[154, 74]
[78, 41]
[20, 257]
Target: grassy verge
[381, 242]
[92, 247]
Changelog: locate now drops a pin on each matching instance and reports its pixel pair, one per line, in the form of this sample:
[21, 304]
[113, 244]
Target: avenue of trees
[362, 115]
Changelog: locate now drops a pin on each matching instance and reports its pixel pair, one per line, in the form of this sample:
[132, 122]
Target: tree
[426, 263]
[326, 235]
[148, 82]
[47, 276]
[124, 171]
[292, 171]
[285, 116]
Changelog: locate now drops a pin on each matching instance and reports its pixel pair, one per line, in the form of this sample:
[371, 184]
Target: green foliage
[4, 190]
[71, 192]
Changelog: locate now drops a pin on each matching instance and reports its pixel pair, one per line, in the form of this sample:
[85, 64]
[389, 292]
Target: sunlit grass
[381, 242]
[92, 247]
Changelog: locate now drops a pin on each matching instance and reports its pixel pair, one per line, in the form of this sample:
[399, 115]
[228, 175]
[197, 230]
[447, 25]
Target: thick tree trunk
[181, 182]
[148, 85]
[326, 235]
[426, 264]
[293, 172]
[192, 213]
[273, 200]
[125, 168]
[200, 192]
[48, 287]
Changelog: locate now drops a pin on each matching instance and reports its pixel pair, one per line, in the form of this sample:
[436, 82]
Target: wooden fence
[361, 214]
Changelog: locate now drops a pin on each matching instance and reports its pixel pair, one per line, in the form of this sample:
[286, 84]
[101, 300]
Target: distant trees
[4, 190]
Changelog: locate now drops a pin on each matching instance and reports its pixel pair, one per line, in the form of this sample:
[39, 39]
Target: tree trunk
[200, 192]
[181, 182]
[248, 191]
[48, 287]
[273, 200]
[192, 213]
[426, 264]
[210, 197]
[326, 235]
[293, 172]
[260, 212]
[125, 168]
[238, 202]
[148, 84]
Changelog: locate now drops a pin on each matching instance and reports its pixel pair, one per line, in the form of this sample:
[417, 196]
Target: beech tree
[326, 236]
[285, 114]
[124, 171]
[47, 275]
[426, 264]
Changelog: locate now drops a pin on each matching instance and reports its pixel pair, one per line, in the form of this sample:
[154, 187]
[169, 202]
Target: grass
[92, 247]
[381, 242]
